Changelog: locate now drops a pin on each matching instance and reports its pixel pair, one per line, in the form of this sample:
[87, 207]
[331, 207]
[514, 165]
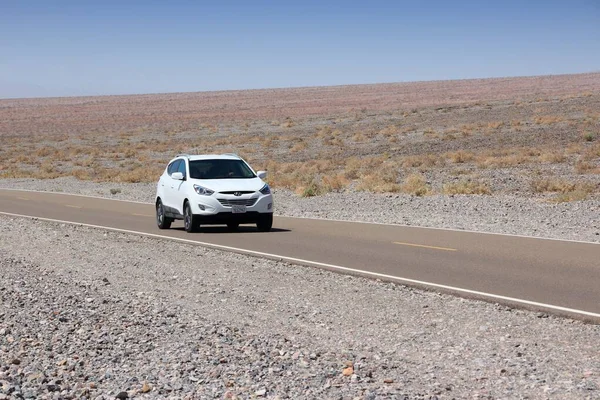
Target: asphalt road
[561, 277]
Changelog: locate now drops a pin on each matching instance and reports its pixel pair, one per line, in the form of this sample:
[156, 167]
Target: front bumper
[217, 204]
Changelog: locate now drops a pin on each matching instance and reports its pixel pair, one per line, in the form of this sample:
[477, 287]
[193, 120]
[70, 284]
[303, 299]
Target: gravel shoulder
[93, 314]
[507, 214]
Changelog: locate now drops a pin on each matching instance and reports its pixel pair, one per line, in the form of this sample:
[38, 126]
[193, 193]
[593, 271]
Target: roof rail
[183, 155]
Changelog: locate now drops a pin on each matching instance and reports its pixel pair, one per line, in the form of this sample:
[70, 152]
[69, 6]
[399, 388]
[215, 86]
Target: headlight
[203, 191]
[265, 189]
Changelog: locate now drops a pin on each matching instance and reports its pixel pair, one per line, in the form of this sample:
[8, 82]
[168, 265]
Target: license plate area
[238, 209]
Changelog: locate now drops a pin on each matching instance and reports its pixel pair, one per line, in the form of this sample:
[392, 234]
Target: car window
[220, 169]
[173, 167]
[181, 167]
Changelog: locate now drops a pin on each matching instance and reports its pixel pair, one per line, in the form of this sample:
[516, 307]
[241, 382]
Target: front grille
[238, 191]
[237, 202]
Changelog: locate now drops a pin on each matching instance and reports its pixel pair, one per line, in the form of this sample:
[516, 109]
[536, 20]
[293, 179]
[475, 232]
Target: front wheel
[190, 222]
[265, 222]
[162, 221]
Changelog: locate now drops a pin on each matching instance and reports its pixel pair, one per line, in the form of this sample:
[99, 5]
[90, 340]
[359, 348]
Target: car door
[169, 185]
[179, 188]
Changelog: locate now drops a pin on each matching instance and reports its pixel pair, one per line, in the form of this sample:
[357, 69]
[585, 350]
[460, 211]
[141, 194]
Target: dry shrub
[352, 168]
[46, 171]
[577, 195]
[24, 159]
[501, 161]
[531, 152]
[299, 146]
[452, 131]
[335, 182]
[424, 160]
[589, 136]
[298, 176]
[495, 125]
[136, 175]
[449, 136]
[359, 137]
[467, 187]
[288, 123]
[584, 167]
[81, 174]
[316, 186]
[507, 158]
[333, 142]
[389, 131]
[429, 132]
[44, 151]
[552, 157]
[267, 142]
[591, 153]
[310, 190]
[567, 190]
[129, 153]
[324, 131]
[468, 129]
[318, 166]
[415, 184]
[558, 185]
[84, 162]
[548, 119]
[383, 179]
[460, 157]
[12, 172]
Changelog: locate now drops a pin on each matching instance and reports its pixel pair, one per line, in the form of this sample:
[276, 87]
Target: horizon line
[278, 88]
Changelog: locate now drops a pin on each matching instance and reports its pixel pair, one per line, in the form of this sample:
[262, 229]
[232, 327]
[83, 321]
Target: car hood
[226, 185]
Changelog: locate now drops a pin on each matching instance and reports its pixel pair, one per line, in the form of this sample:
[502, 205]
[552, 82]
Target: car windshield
[220, 169]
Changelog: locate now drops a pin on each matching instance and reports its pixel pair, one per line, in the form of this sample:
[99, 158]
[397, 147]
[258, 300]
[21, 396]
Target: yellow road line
[427, 247]
[69, 205]
[142, 215]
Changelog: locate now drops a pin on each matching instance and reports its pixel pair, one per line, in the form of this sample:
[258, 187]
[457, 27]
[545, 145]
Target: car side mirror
[177, 175]
[262, 174]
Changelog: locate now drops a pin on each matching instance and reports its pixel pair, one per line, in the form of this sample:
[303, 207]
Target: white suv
[213, 189]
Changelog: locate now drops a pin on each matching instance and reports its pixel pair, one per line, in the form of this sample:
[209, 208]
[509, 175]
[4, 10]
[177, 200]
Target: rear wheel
[162, 221]
[265, 222]
[190, 222]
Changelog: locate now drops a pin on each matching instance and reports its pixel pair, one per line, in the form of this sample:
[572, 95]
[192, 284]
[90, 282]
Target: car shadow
[224, 229]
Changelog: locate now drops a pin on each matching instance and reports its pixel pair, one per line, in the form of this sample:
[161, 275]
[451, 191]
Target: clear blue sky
[65, 48]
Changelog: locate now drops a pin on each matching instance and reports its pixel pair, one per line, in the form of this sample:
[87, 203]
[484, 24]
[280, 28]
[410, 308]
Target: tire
[265, 222]
[233, 226]
[190, 221]
[162, 221]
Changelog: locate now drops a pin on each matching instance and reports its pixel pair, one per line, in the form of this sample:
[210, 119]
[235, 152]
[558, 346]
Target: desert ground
[93, 314]
[523, 136]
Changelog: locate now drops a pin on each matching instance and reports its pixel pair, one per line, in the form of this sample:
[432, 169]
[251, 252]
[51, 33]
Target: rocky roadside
[495, 214]
[102, 315]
